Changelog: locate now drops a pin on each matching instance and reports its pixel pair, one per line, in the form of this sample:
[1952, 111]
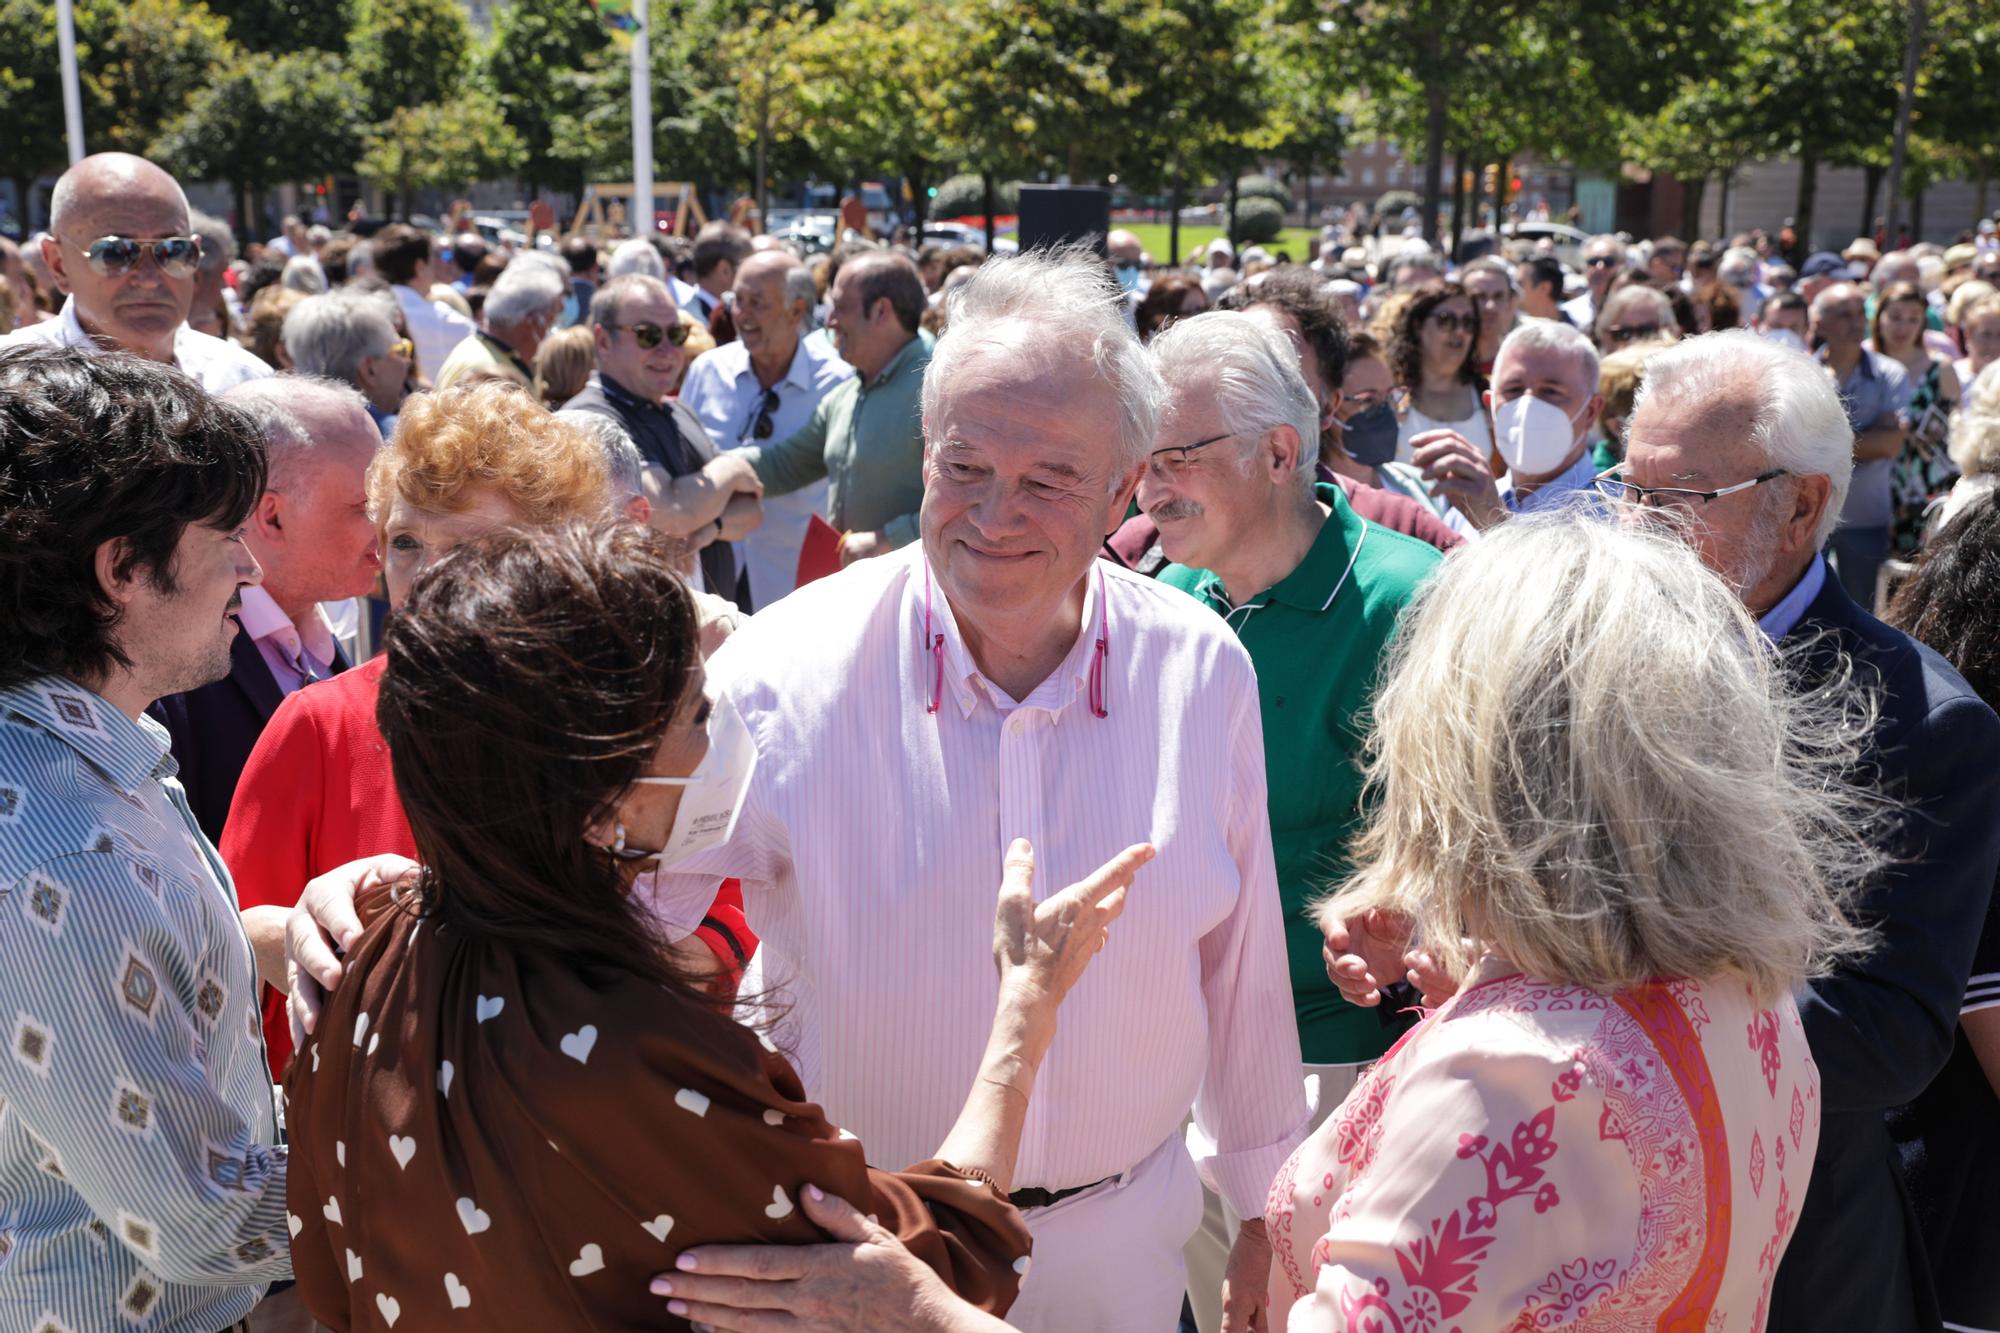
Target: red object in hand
[820, 554]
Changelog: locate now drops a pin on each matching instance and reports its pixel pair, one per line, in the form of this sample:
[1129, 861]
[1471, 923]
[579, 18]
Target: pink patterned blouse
[1535, 1156]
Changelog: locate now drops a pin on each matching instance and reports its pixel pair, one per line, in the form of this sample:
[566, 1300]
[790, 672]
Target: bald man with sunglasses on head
[125, 250]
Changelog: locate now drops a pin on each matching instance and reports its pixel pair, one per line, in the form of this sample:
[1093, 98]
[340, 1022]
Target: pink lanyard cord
[933, 643]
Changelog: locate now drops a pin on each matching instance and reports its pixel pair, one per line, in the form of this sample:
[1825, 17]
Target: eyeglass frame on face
[1452, 322]
[402, 347]
[677, 335]
[1617, 489]
[1156, 461]
[102, 265]
[1620, 334]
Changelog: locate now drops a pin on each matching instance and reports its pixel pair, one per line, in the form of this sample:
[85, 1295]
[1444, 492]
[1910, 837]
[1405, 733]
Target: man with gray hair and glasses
[1747, 446]
[1313, 591]
[523, 307]
[351, 336]
[995, 694]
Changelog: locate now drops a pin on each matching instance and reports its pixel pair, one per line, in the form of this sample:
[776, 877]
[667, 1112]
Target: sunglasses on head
[648, 336]
[110, 256]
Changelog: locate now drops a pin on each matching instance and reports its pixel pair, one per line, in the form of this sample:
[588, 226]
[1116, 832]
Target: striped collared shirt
[140, 1184]
[870, 849]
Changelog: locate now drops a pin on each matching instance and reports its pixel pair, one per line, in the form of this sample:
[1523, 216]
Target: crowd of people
[1365, 793]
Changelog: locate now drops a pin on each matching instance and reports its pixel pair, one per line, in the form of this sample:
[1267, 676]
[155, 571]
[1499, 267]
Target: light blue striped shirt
[140, 1181]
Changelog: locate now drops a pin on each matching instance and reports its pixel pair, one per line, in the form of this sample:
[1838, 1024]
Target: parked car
[1568, 241]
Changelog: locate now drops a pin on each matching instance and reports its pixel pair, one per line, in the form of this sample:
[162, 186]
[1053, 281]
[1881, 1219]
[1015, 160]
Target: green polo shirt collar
[1313, 586]
[912, 350]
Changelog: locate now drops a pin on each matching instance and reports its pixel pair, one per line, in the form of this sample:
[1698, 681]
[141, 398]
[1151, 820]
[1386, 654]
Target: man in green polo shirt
[867, 435]
[1313, 591]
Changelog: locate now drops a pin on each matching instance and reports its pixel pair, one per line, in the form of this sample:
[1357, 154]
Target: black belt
[1037, 1197]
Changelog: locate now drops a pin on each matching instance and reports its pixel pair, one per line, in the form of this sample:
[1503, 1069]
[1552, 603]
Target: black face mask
[1369, 437]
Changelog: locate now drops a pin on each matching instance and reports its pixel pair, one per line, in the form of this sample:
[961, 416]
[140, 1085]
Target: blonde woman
[563, 364]
[1975, 444]
[1626, 844]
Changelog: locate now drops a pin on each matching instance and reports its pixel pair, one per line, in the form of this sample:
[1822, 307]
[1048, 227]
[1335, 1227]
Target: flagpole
[642, 122]
[72, 98]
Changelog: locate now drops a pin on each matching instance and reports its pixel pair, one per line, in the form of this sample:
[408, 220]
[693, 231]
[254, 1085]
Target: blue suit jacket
[215, 727]
[1881, 1028]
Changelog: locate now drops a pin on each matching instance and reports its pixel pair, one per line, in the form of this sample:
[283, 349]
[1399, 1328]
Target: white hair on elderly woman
[1071, 304]
[1253, 374]
[1975, 429]
[1589, 763]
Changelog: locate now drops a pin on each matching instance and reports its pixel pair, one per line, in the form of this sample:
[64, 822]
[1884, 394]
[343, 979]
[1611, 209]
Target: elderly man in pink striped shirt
[915, 713]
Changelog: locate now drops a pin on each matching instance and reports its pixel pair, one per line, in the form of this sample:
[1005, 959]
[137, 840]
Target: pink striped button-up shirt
[870, 849]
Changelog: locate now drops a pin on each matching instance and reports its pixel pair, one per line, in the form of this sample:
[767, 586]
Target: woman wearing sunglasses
[1432, 355]
[124, 250]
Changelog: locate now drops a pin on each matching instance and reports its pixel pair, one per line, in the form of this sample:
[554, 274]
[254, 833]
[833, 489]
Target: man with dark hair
[403, 258]
[140, 1115]
[581, 256]
[718, 248]
[1542, 288]
[866, 436]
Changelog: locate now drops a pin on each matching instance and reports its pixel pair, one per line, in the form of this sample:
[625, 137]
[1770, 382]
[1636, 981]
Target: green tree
[287, 25]
[440, 146]
[31, 121]
[540, 67]
[265, 120]
[140, 64]
[407, 53]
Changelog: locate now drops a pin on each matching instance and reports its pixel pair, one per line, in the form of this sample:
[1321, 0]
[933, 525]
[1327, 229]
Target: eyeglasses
[1621, 334]
[1176, 458]
[1659, 497]
[111, 256]
[648, 335]
[402, 347]
[760, 427]
[1451, 323]
[1601, 261]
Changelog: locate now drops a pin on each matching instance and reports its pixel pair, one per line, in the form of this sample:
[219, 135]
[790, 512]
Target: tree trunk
[1722, 203]
[1871, 193]
[1437, 112]
[1691, 197]
[23, 184]
[1230, 228]
[1985, 184]
[1475, 192]
[1900, 151]
[986, 189]
[1174, 219]
[1802, 213]
[1500, 179]
[1308, 219]
[1916, 215]
[1457, 202]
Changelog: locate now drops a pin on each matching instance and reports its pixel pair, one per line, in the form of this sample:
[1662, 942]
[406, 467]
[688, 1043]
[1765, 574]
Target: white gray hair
[303, 274]
[523, 291]
[1552, 335]
[332, 334]
[635, 256]
[1588, 761]
[1616, 242]
[1975, 428]
[218, 243]
[1796, 420]
[1071, 300]
[626, 463]
[799, 286]
[1252, 373]
[1616, 304]
[279, 404]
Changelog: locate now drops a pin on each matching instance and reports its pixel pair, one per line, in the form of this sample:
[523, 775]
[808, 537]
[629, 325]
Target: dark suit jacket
[215, 727]
[1882, 1028]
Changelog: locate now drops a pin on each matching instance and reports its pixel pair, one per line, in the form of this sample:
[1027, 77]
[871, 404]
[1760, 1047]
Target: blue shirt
[140, 1181]
[1876, 387]
[723, 391]
[1570, 489]
[1783, 618]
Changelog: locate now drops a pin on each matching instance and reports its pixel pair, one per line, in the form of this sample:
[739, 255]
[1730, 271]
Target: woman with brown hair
[563, 364]
[1172, 296]
[1436, 336]
[1923, 471]
[513, 1055]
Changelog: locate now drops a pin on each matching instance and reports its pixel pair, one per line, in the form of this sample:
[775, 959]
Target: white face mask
[715, 790]
[1534, 436]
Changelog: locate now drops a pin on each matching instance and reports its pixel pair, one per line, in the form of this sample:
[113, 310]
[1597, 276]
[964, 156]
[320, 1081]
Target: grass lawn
[1153, 235]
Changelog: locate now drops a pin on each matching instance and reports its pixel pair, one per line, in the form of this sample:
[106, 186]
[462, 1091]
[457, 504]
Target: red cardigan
[317, 793]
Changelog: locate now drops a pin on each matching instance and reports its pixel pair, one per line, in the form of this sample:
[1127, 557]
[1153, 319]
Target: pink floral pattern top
[1535, 1156]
